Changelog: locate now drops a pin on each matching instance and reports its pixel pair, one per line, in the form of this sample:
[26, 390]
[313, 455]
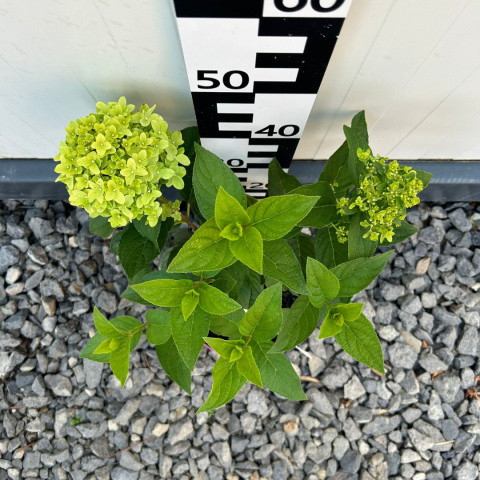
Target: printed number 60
[302, 3]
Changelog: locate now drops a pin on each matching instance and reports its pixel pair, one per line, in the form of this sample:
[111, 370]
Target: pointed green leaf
[120, 360]
[227, 325]
[158, 330]
[263, 319]
[206, 250]
[280, 263]
[106, 346]
[248, 368]
[209, 174]
[100, 226]
[349, 311]
[173, 364]
[145, 276]
[331, 325]
[104, 327]
[214, 301]
[227, 382]
[188, 334]
[401, 233]
[302, 247]
[359, 340]
[225, 348]
[189, 303]
[299, 322]
[324, 210]
[358, 246]
[328, 250]
[135, 251]
[277, 372]
[249, 249]
[274, 217]
[123, 323]
[336, 171]
[228, 210]
[321, 282]
[355, 141]
[355, 275]
[359, 125]
[279, 182]
[164, 292]
[146, 231]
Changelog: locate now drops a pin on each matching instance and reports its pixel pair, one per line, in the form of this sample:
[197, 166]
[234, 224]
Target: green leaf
[336, 171]
[262, 321]
[225, 348]
[228, 210]
[104, 327]
[209, 174]
[123, 323]
[206, 250]
[190, 136]
[302, 247]
[173, 364]
[337, 315]
[274, 217]
[135, 251]
[120, 360]
[355, 141]
[358, 246]
[299, 322]
[321, 282]
[146, 231]
[424, 177]
[359, 340]
[355, 275]
[227, 382]
[214, 301]
[115, 241]
[100, 226]
[359, 125]
[277, 372]
[188, 334]
[280, 263]
[107, 346]
[189, 303]
[401, 233]
[158, 330]
[279, 182]
[165, 292]
[144, 276]
[251, 200]
[330, 326]
[324, 210]
[249, 289]
[328, 250]
[248, 368]
[249, 249]
[165, 228]
[227, 325]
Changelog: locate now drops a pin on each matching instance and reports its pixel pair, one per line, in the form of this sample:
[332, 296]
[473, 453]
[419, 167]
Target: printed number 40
[282, 131]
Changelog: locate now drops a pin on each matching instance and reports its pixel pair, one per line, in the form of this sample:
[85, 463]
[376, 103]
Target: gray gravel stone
[460, 220]
[40, 227]
[351, 462]
[382, 425]
[466, 471]
[180, 431]
[93, 372]
[468, 344]
[447, 385]
[60, 385]
[9, 255]
[402, 356]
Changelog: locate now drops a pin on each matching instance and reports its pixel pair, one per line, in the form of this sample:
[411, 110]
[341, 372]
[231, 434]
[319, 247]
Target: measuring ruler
[254, 69]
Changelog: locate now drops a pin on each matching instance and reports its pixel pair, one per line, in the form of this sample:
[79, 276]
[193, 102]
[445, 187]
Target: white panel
[412, 65]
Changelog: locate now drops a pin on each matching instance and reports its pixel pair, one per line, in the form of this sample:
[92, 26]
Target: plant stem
[247, 342]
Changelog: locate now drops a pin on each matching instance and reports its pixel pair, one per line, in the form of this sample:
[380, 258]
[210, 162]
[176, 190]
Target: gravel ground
[421, 421]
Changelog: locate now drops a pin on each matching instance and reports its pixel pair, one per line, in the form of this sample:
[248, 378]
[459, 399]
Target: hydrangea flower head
[115, 161]
[385, 192]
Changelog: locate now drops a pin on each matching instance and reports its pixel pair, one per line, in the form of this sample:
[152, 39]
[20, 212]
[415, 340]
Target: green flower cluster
[115, 161]
[386, 191]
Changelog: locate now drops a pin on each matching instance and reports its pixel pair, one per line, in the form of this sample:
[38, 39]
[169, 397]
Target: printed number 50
[227, 79]
[316, 5]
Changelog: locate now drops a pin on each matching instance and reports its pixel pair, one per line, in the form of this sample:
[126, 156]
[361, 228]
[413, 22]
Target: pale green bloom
[114, 163]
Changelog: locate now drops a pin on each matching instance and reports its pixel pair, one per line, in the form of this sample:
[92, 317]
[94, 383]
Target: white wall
[414, 66]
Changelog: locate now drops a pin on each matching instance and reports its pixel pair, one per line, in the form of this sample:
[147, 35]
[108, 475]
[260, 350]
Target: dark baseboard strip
[452, 181]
